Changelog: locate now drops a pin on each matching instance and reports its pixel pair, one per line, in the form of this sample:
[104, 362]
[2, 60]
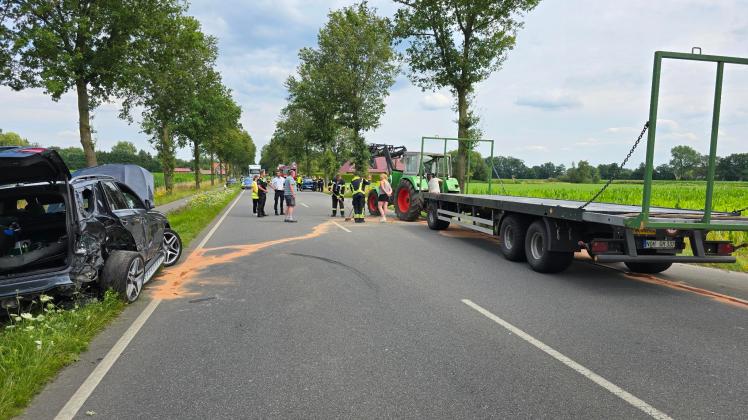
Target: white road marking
[609, 386]
[341, 226]
[81, 395]
[89, 385]
[304, 204]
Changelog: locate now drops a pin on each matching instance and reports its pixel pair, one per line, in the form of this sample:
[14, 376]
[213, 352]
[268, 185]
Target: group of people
[284, 187]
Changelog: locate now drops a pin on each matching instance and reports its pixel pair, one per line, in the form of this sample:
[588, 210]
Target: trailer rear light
[598, 247]
[725, 248]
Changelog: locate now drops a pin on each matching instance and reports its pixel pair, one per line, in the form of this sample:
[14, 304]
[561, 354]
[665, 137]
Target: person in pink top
[385, 192]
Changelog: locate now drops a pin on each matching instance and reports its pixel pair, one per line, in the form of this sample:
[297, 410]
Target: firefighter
[358, 187]
[337, 187]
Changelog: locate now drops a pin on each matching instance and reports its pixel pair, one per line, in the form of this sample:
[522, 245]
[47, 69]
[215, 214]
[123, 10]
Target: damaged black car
[61, 233]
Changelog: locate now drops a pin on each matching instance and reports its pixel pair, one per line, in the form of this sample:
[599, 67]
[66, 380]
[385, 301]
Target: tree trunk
[84, 122]
[212, 170]
[166, 155]
[197, 164]
[220, 170]
[463, 126]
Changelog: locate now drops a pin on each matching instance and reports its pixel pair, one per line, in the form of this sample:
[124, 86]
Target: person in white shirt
[277, 185]
[434, 183]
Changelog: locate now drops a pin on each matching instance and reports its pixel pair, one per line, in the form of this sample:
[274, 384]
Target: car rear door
[131, 219]
[153, 225]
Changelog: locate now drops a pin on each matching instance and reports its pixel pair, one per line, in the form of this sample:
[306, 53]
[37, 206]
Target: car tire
[512, 234]
[124, 272]
[172, 247]
[432, 218]
[648, 268]
[536, 250]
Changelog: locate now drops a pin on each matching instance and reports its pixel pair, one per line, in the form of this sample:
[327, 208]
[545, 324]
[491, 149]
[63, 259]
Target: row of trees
[147, 53]
[338, 93]
[685, 164]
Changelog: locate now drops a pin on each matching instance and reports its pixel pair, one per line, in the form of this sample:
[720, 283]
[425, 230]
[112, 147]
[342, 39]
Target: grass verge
[201, 209]
[180, 191]
[35, 345]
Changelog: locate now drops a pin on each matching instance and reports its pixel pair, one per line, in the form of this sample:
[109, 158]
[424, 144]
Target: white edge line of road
[80, 397]
[341, 226]
[607, 385]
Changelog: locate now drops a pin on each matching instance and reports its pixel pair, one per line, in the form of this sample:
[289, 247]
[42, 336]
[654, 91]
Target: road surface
[337, 320]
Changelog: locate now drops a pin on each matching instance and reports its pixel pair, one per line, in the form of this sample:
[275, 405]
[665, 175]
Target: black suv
[61, 232]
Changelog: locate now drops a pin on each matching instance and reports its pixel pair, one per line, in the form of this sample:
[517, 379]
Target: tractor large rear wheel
[372, 202]
[408, 202]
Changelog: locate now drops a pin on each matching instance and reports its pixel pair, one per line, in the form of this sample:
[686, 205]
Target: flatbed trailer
[547, 232]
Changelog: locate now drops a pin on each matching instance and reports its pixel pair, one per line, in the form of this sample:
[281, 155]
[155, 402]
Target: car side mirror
[149, 205]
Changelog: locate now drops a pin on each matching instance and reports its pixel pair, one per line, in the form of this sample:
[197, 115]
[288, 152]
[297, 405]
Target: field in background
[728, 196]
[158, 178]
[184, 185]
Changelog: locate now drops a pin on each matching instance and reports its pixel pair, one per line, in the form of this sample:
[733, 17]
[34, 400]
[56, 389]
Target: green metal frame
[458, 140]
[642, 220]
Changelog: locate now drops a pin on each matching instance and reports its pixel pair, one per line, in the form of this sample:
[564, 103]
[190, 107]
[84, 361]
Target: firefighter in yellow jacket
[358, 189]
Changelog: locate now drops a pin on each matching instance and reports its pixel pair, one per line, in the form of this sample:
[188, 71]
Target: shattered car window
[114, 196]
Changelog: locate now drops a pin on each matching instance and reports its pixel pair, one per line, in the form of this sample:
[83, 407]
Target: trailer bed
[606, 213]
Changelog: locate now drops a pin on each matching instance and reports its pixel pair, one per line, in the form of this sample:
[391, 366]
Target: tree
[211, 114]
[507, 167]
[733, 167]
[168, 80]
[582, 173]
[478, 169]
[685, 162]
[457, 44]
[355, 56]
[12, 139]
[92, 46]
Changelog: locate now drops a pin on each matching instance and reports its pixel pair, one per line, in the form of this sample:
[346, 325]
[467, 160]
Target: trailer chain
[738, 212]
[617, 171]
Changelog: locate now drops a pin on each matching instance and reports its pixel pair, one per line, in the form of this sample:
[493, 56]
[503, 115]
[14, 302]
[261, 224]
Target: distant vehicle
[247, 183]
[307, 184]
[61, 232]
[231, 181]
[254, 170]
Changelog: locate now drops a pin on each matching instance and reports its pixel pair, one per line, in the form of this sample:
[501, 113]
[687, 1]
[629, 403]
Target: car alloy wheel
[172, 248]
[135, 274]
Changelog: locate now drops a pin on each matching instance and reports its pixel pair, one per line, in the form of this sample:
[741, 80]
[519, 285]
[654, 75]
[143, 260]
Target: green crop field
[158, 178]
[728, 196]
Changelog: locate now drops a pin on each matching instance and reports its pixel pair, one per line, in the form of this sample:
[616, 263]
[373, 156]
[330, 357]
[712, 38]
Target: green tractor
[407, 185]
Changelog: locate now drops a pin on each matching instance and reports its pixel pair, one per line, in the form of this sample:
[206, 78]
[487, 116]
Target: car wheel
[124, 272]
[538, 256]
[172, 247]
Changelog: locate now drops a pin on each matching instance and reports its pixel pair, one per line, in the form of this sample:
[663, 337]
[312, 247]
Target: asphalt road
[397, 321]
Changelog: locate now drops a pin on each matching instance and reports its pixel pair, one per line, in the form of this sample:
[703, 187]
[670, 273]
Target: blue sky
[575, 87]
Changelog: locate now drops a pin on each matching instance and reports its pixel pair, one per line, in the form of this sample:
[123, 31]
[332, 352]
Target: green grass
[202, 208]
[33, 350]
[179, 178]
[728, 196]
[180, 191]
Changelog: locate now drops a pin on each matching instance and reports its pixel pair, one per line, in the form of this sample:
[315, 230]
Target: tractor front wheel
[372, 203]
[408, 202]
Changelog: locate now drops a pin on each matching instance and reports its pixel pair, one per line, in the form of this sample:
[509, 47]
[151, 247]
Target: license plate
[652, 244]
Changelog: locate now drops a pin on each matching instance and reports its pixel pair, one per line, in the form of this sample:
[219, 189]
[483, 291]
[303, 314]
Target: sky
[575, 87]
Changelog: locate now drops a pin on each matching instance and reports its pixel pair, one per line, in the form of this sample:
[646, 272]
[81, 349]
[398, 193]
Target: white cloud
[553, 101]
[436, 100]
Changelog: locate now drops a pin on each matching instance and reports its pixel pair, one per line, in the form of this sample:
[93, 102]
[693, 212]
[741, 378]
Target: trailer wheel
[432, 218]
[124, 272]
[408, 202]
[538, 256]
[648, 268]
[372, 202]
[512, 238]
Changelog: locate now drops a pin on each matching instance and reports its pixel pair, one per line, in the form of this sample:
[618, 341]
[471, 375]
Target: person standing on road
[358, 187]
[255, 194]
[337, 189]
[385, 192]
[277, 185]
[262, 186]
[289, 191]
